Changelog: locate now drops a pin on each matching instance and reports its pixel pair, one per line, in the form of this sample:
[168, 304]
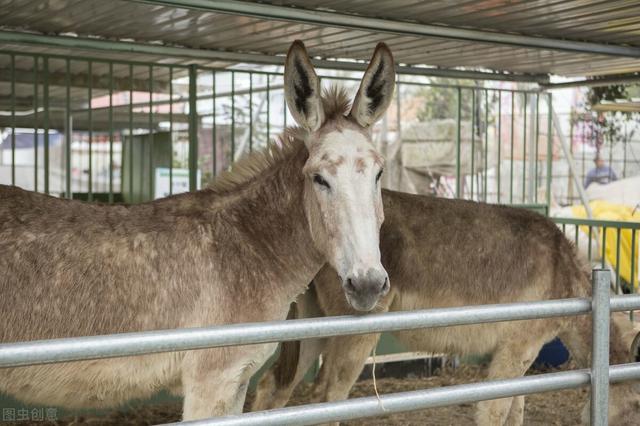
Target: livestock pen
[74, 349]
[131, 101]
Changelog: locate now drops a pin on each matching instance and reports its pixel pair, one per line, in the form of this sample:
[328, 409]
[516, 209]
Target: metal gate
[599, 306]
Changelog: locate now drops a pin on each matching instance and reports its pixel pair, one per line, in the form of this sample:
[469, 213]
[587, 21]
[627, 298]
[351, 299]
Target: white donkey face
[342, 195]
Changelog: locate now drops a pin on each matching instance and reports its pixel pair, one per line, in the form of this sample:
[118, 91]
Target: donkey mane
[336, 104]
[251, 166]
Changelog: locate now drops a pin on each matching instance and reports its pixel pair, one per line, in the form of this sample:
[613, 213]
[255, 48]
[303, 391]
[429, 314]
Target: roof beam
[596, 82]
[109, 46]
[82, 80]
[98, 123]
[618, 107]
[355, 22]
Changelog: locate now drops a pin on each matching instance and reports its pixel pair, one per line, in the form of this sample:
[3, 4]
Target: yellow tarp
[603, 210]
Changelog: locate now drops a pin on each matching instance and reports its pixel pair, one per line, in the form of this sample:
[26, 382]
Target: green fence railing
[612, 244]
[90, 126]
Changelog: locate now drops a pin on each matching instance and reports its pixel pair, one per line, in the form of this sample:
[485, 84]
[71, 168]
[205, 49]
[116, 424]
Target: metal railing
[611, 244]
[128, 344]
[97, 129]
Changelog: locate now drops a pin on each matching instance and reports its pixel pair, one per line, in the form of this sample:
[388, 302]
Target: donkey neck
[266, 214]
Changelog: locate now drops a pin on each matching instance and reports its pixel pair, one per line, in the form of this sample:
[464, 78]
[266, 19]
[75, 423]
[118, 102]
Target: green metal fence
[617, 143]
[509, 138]
[131, 131]
[127, 131]
[607, 244]
[113, 131]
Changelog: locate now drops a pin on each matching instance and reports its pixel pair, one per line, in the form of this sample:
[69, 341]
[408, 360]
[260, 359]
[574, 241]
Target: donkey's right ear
[376, 89]
[302, 88]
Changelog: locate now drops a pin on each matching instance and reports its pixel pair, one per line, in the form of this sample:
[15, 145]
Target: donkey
[238, 251]
[444, 253]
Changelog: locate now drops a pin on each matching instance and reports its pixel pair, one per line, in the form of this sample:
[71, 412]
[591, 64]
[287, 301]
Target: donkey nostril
[385, 285]
[349, 286]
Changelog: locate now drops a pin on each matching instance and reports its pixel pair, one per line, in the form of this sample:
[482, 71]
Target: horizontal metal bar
[380, 25]
[417, 400]
[77, 80]
[143, 85]
[180, 99]
[624, 372]
[595, 82]
[94, 347]
[438, 72]
[596, 222]
[126, 47]
[627, 302]
[69, 42]
[140, 343]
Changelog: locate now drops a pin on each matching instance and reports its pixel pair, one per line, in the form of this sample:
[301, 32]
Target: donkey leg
[512, 358]
[516, 413]
[215, 381]
[341, 365]
[211, 393]
[274, 390]
[276, 385]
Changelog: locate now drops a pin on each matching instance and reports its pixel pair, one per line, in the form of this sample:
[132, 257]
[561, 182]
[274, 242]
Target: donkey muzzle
[363, 290]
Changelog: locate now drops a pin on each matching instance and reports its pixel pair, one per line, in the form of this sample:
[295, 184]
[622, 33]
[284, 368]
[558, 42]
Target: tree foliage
[610, 125]
[442, 102]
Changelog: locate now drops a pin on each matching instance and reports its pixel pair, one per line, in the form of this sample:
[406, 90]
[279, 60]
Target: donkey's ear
[376, 89]
[302, 88]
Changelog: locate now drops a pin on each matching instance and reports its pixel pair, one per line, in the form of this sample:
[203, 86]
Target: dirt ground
[553, 408]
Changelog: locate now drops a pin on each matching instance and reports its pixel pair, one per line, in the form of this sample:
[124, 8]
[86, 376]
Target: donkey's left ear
[376, 89]
[302, 88]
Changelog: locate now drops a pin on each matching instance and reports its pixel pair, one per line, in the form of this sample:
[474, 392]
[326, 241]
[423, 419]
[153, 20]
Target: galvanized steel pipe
[94, 44]
[600, 279]
[107, 346]
[417, 400]
[140, 343]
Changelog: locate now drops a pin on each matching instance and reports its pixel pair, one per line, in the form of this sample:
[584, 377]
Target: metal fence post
[600, 305]
[458, 122]
[68, 130]
[549, 150]
[193, 128]
[45, 102]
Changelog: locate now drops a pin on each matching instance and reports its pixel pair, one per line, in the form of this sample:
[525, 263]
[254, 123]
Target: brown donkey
[239, 251]
[444, 253]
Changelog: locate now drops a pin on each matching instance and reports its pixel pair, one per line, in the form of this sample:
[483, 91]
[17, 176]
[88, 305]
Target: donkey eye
[320, 181]
[379, 175]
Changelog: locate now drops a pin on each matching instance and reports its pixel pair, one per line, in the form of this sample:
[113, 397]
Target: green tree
[442, 102]
[610, 125]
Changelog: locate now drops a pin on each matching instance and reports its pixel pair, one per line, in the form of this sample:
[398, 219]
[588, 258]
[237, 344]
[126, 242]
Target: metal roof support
[81, 80]
[343, 20]
[596, 82]
[69, 42]
[564, 144]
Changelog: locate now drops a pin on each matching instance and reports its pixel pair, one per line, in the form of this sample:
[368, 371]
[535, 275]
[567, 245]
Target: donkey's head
[342, 191]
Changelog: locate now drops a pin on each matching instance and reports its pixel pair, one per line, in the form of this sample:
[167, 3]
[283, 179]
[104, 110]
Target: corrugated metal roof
[613, 22]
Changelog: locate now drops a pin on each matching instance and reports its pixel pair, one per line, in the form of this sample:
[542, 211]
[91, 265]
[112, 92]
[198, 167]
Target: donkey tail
[286, 366]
